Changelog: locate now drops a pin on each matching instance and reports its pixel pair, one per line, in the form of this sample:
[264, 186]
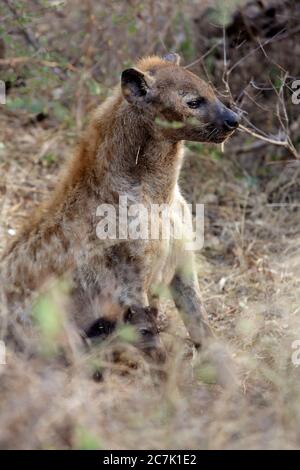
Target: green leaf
[85, 440]
[128, 334]
[207, 373]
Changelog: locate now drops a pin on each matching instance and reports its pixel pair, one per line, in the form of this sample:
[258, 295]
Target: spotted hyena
[131, 148]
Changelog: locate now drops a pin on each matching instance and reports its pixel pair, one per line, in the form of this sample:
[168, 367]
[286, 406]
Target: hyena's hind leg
[105, 285]
[39, 253]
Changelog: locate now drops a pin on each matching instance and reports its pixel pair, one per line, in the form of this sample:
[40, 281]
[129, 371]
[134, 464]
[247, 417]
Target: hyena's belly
[164, 263]
[169, 252]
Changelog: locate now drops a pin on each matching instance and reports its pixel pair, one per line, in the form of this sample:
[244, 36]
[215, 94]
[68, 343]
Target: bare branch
[281, 143]
[28, 35]
[15, 61]
[200, 59]
[287, 142]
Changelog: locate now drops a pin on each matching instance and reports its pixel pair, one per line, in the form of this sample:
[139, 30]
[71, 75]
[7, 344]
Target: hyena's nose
[231, 120]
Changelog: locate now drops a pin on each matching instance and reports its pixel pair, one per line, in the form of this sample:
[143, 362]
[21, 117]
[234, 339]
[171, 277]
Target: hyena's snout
[226, 119]
[231, 120]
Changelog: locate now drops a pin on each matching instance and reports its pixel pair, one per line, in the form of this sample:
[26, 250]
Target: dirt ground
[249, 268]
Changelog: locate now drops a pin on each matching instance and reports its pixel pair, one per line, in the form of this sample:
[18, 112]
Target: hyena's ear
[135, 85]
[172, 57]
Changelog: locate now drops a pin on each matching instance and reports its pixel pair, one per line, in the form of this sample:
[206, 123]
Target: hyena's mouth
[217, 136]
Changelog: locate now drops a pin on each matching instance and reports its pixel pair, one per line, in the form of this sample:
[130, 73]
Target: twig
[200, 59]
[28, 35]
[137, 155]
[268, 41]
[287, 143]
[14, 61]
[224, 80]
[281, 143]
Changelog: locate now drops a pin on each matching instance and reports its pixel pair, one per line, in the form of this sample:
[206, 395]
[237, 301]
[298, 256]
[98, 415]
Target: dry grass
[249, 271]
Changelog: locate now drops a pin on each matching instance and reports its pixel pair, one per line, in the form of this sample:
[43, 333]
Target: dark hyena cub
[144, 321]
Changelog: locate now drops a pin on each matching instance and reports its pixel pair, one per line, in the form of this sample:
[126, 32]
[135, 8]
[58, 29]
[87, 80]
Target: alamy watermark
[296, 93]
[2, 92]
[296, 353]
[132, 221]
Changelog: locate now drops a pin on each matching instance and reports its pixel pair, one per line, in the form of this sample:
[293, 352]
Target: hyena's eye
[145, 332]
[196, 103]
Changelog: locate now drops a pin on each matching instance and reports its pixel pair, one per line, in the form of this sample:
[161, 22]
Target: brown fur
[123, 151]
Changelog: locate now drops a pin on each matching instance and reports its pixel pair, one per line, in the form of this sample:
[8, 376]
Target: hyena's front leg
[187, 298]
[186, 295]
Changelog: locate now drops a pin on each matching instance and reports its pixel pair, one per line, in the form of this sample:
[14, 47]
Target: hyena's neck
[137, 156]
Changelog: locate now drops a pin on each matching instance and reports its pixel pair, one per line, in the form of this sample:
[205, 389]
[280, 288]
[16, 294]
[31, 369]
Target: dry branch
[28, 35]
[15, 61]
[281, 143]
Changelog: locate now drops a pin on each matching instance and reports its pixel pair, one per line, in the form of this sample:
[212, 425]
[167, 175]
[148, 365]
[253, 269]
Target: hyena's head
[176, 102]
[144, 320]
